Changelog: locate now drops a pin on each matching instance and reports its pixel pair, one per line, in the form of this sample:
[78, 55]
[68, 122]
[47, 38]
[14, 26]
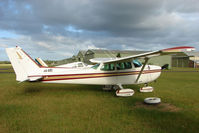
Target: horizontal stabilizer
[34, 78]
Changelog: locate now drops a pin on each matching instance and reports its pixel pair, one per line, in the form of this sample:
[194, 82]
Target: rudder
[22, 63]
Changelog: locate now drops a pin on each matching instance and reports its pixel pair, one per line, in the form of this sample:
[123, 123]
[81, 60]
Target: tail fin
[22, 63]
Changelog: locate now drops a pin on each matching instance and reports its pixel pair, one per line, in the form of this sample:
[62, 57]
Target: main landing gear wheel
[124, 92]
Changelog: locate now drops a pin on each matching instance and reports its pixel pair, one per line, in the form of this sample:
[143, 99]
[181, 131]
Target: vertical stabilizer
[22, 63]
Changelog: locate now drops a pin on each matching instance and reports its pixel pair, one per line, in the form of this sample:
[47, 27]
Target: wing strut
[146, 60]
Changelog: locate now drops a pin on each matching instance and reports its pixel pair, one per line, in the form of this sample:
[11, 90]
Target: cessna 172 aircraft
[113, 72]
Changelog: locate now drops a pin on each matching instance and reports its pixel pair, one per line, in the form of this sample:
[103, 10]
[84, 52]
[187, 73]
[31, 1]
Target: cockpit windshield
[137, 63]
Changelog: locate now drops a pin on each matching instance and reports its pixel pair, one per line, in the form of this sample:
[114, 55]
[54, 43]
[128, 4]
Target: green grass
[62, 108]
[5, 65]
[184, 69]
[6, 68]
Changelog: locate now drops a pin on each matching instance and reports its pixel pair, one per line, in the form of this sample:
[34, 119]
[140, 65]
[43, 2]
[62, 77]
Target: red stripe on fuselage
[92, 75]
[150, 71]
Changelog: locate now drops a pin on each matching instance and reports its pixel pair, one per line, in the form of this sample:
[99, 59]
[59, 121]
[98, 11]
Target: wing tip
[179, 49]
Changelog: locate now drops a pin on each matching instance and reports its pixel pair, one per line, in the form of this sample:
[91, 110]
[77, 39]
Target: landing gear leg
[120, 86]
[146, 84]
[115, 87]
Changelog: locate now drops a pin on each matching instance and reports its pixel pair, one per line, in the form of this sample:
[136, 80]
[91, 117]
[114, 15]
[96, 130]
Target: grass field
[62, 108]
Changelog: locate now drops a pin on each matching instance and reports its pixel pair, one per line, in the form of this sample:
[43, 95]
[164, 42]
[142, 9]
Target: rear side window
[108, 67]
[123, 65]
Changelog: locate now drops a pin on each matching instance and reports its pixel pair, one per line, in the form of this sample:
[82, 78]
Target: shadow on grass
[161, 118]
[166, 121]
[32, 88]
[56, 90]
[62, 89]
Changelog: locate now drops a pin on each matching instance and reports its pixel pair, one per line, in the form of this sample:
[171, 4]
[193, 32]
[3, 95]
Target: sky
[58, 29]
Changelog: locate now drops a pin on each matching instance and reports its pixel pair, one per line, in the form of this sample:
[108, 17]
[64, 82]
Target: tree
[118, 55]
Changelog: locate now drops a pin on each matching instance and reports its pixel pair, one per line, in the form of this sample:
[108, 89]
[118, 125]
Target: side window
[120, 66]
[80, 65]
[123, 65]
[127, 65]
[108, 67]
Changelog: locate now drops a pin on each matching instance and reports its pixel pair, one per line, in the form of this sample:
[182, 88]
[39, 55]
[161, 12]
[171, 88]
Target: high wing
[144, 55]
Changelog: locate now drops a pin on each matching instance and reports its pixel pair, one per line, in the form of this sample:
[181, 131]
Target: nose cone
[155, 72]
[154, 67]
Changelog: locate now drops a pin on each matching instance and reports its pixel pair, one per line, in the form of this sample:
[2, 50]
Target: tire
[152, 100]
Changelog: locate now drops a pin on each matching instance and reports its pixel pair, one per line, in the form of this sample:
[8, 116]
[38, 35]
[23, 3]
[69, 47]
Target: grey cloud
[111, 24]
[122, 18]
[183, 6]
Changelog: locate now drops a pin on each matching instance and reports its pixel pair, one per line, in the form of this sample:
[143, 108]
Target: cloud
[61, 28]
[3, 45]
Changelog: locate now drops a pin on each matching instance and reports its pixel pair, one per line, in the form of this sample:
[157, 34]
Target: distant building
[186, 59]
[180, 60]
[81, 56]
[193, 59]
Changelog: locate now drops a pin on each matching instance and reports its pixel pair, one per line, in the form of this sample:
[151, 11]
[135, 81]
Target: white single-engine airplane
[113, 72]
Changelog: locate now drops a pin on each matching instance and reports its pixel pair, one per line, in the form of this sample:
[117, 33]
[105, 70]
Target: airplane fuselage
[98, 76]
